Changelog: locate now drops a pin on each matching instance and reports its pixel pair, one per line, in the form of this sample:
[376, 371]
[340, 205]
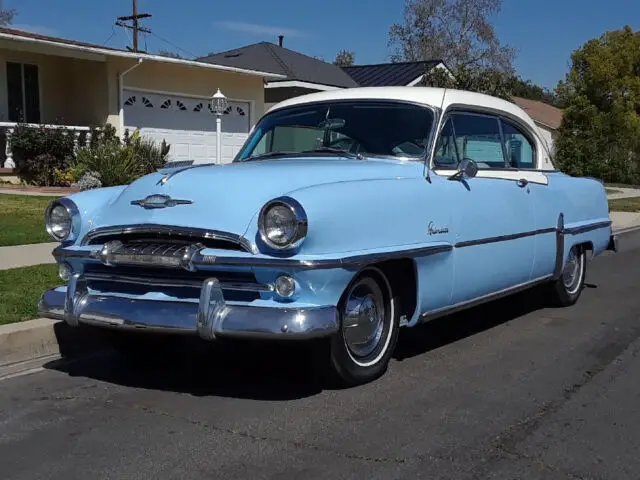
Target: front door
[493, 216]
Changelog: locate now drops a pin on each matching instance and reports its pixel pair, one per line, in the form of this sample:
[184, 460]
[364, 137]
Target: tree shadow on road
[272, 371]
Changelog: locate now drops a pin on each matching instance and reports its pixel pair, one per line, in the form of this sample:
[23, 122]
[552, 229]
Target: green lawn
[20, 290]
[625, 205]
[22, 219]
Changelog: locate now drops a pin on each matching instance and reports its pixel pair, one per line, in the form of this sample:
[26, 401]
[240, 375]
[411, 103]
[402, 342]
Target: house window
[23, 93]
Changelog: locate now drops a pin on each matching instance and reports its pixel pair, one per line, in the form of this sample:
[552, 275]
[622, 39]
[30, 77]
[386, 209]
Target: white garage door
[187, 124]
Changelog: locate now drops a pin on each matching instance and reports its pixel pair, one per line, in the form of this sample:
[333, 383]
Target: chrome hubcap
[363, 318]
[571, 272]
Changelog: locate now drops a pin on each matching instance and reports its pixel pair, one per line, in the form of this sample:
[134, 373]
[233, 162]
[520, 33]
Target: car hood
[227, 197]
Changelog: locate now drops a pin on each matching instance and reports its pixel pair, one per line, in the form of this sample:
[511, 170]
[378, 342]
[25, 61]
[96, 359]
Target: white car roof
[428, 96]
[422, 95]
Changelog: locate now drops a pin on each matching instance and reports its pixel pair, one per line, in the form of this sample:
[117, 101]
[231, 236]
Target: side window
[478, 138]
[519, 148]
[446, 153]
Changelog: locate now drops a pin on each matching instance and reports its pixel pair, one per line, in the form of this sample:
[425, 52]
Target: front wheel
[369, 324]
[566, 290]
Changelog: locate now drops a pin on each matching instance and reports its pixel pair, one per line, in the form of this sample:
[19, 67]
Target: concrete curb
[26, 340]
[44, 338]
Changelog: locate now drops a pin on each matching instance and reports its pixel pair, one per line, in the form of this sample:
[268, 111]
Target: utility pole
[135, 26]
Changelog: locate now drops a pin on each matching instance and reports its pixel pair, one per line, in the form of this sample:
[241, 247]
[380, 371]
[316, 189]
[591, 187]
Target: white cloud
[39, 29]
[256, 29]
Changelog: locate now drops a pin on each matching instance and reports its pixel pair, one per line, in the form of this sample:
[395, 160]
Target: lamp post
[218, 105]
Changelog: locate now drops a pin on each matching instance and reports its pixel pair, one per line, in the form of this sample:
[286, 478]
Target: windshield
[353, 128]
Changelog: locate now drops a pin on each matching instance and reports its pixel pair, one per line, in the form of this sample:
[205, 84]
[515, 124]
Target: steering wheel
[347, 144]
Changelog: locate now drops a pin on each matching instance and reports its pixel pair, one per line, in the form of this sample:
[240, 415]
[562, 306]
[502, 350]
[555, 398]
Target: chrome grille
[153, 248]
[163, 234]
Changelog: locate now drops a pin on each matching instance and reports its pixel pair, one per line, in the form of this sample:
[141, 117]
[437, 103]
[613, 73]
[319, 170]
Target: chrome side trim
[345, 262]
[152, 228]
[586, 228]
[448, 310]
[176, 282]
[504, 238]
[559, 264]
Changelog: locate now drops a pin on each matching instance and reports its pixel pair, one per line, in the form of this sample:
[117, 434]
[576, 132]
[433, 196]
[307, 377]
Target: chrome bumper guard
[210, 317]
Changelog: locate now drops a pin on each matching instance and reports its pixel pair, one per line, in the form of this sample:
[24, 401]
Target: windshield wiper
[335, 151]
[267, 155]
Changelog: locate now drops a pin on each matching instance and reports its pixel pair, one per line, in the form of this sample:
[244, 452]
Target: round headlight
[61, 219]
[283, 223]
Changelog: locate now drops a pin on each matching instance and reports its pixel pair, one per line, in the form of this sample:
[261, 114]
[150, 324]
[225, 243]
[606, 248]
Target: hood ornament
[159, 201]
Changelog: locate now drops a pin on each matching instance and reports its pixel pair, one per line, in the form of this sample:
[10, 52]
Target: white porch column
[8, 163]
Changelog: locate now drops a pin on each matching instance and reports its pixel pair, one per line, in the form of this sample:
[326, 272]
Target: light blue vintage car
[345, 216]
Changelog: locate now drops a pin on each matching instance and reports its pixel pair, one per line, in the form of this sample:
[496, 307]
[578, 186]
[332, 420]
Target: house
[304, 74]
[546, 117]
[397, 74]
[301, 74]
[61, 82]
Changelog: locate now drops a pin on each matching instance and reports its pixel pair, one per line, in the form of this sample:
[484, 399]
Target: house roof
[89, 48]
[541, 112]
[269, 57]
[389, 74]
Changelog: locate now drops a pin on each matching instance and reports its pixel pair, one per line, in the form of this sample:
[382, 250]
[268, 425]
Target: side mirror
[467, 168]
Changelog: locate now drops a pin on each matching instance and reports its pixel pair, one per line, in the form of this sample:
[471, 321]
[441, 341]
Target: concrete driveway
[509, 390]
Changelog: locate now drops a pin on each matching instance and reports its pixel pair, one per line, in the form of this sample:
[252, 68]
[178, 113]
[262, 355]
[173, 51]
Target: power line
[135, 25]
[173, 45]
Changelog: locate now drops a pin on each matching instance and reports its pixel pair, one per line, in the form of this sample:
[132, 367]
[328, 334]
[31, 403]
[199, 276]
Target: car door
[493, 214]
[523, 152]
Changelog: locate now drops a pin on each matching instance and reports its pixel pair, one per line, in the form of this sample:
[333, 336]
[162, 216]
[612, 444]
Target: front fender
[356, 216]
[90, 203]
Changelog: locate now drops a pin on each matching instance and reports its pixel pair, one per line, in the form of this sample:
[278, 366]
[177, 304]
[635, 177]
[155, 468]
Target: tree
[489, 82]
[344, 58]
[600, 131]
[167, 53]
[527, 89]
[456, 31]
[6, 15]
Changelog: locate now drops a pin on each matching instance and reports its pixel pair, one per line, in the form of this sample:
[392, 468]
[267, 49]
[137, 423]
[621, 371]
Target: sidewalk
[36, 191]
[26, 255]
[624, 193]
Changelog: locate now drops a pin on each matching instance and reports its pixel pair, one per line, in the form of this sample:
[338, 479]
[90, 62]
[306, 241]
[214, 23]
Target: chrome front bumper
[209, 317]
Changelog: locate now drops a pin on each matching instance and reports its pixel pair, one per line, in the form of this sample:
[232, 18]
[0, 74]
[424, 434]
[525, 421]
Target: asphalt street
[510, 390]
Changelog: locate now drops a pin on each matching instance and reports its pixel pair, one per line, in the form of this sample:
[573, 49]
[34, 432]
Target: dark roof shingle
[268, 57]
[389, 74]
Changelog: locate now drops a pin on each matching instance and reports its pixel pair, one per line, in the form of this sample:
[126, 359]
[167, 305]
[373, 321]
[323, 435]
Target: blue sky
[544, 32]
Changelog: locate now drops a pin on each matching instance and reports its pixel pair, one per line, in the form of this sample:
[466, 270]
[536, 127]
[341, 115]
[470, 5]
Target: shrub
[29, 144]
[149, 155]
[114, 163]
[88, 181]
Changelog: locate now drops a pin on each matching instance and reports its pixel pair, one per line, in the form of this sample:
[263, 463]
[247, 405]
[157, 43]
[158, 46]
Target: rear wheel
[361, 350]
[566, 290]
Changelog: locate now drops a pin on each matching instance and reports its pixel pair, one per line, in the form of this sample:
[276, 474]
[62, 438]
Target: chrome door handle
[523, 182]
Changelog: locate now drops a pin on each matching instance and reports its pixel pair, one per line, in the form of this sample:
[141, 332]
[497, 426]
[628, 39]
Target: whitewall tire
[369, 322]
[566, 290]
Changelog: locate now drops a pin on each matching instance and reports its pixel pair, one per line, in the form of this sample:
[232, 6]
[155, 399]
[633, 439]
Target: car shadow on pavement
[451, 328]
[273, 371]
